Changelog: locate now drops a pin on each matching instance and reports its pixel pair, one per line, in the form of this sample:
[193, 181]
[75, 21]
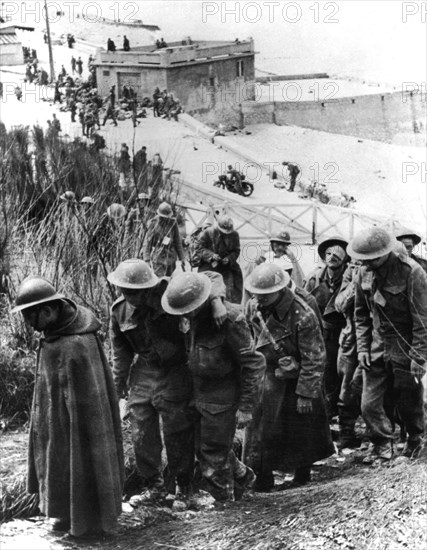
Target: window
[105, 73]
[240, 68]
[212, 82]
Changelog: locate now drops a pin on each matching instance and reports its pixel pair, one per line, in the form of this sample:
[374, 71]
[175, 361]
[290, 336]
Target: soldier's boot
[302, 476]
[264, 482]
[183, 498]
[348, 438]
[244, 483]
[413, 447]
[379, 453]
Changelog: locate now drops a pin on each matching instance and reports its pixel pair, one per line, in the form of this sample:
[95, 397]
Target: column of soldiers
[195, 366]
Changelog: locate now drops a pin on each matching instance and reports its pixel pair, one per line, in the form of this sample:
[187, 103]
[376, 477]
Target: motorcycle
[235, 184]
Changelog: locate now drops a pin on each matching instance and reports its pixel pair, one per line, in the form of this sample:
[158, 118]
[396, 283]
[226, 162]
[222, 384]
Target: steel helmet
[327, 243]
[34, 291]
[186, 292]
[225, 224]
[88, 200]
[165, 210]
[133, 274]
[116, 211]
[405, 233]
[68, 196]
[371, 243]
[281, 237]
[266, 279]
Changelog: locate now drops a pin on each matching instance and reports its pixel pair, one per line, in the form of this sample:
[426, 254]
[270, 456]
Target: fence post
[313, 226]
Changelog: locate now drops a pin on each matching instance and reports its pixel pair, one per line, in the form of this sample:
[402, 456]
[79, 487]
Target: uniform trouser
[215, 429]
[178, 434]
[387, 377]
[331, 379]
[349, 397]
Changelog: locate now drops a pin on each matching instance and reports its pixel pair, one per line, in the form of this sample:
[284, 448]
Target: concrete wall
[149, 79]
[11, 54]
[390, 118]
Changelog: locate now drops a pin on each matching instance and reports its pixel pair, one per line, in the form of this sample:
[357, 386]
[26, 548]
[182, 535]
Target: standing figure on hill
[219, 250]
[79, 64]
[124, 166]
[162, 246]
[75, 443]
[140, 169]
[324, 284]
[73, 64]
[293, 173]
[126, 44]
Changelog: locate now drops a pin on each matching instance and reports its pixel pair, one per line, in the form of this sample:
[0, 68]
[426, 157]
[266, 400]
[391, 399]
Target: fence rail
[308, 222]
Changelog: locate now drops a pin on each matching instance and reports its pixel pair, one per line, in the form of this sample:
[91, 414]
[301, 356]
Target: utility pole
[49, 42]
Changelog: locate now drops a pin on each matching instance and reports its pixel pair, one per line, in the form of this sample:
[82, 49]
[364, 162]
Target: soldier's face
[266, 300]
[374, 264]
[334, 257]
[135, 297]
[279, 249]
[408, 244]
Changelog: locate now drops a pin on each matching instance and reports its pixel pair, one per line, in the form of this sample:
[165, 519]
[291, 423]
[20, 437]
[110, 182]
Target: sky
[380, 41]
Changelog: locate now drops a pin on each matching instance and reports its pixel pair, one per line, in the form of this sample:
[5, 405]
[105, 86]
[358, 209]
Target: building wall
[395, 119]
[149, 79]
[11, 54]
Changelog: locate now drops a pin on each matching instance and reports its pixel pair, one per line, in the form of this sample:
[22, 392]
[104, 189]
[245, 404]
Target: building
[11, 52]
[203, 75]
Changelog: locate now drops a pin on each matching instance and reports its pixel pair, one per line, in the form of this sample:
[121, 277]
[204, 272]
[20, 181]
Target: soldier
[219, 250]
[391, 329]
[162, 246]
[159, 384]
[226, 373]
[282, 255]
[290, 430]
[409, 239]
[75, 444]
[324, 284]
[349, 374]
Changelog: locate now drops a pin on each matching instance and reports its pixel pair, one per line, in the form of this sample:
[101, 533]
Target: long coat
[213, 241]
[282, 438]
[75, 460]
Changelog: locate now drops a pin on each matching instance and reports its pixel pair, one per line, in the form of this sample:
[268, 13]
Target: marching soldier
[391, 329]
[226, 373]
[291, 430]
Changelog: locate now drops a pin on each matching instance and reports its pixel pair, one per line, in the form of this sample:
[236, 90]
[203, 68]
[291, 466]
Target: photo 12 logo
[92, 12]
[271, 12]
[414, 11]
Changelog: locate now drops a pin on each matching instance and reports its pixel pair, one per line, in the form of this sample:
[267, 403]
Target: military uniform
[325, 290]
[391, 325]
[420, 261]
[162, 246]
[349, 374]
[213, 241]
[149, 357]
[281, 437]
[227, 375]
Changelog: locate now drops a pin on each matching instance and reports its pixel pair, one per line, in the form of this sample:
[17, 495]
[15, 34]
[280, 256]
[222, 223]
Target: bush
[16, 386]
[15, 502]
